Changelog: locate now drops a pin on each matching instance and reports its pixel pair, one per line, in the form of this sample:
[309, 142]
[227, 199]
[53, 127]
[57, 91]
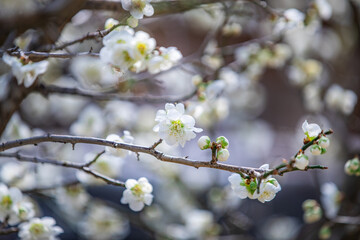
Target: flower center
[136, 190]
[139, 4]
[37, 229]
[6, 201]
[176, 127]
[141, 47]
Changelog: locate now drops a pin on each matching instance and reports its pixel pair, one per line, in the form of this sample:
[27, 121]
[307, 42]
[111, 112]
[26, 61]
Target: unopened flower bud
[324, 142]
[308, 204]
[315, 149]
[352, 167]
[301, 161]
[312, 211]
[223, 141]
[325, 232]
[132, 22]
[110, 22]
[223, 155]
[204, 142]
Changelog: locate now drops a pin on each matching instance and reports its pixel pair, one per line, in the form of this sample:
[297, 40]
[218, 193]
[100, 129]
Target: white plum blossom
[138, 8]
[24, 210]
[248, 188]
[143, 45]
[118, 49]
[9, 197]
[127, 138]
[137, 194]
[25, 73]
[311, 130]
[330, 198]
[103, 223]
[174, 126]
[301, 161]
[39, 228]
[164, 59]
[93, 72]
[268, 189]
[128, 50]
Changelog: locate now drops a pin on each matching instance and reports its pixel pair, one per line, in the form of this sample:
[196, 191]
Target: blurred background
[258, 73]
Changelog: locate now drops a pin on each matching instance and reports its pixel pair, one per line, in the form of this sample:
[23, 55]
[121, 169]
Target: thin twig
[82, 167]
[94, 160]
[34, 55]
[40, 189]
[288, 167]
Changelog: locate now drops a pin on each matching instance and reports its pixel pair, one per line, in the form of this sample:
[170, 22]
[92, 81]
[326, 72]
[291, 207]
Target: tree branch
[83, 167]
[38, 56]
[251, 172]
[46, 90]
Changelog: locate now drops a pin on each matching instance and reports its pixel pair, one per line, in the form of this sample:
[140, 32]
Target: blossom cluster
[221, 144]
[126, 49]
[249, 188]
[15, 209]
[318, 147]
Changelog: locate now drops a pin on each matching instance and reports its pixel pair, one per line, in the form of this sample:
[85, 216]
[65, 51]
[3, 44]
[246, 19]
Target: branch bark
[251, 172]
[46, 90]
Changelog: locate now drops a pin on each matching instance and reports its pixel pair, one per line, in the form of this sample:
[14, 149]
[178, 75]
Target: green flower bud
[223, 141]
[223, 155]
[204, 142]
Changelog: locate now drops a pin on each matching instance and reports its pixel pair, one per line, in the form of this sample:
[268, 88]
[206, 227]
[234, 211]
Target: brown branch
[81, 167]
[38, 56]
[288, 167]
[346, 220]
[251, 172]
[8, 231]
[46, 90]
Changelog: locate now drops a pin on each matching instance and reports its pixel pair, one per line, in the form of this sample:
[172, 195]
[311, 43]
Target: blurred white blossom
[39, 228]
[25, 73]
[103, 223]
[138, 8]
